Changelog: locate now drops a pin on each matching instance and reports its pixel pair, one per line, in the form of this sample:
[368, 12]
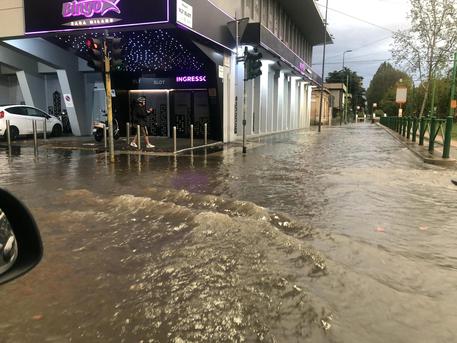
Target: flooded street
[339, 237]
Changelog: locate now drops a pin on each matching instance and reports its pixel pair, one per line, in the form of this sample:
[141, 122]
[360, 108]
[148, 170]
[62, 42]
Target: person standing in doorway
[139, 116]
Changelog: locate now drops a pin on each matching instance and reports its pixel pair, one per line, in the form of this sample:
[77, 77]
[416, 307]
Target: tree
[425, 48]
[442, 98]
[383, 88]
[355, 85]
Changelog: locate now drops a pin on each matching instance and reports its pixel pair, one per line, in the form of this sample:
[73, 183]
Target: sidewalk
[163, 145]
[422, 151]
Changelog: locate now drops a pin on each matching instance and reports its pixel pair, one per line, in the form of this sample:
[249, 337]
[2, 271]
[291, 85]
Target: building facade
[180, 54]
[327, 107]
[340, 95]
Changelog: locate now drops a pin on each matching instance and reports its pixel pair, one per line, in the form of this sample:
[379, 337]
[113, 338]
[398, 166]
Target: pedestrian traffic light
[253, 64]
[96, 56]
[115, 47]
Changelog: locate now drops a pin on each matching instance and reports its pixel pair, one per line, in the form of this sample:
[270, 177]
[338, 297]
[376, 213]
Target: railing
[411, 127]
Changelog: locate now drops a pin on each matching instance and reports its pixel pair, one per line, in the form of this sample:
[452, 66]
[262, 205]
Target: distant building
[339, 92]
[327, 107]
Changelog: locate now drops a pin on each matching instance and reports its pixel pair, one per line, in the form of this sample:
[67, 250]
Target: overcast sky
[370, 43]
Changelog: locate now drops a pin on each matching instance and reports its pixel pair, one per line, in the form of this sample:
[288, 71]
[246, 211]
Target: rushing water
[339, 237]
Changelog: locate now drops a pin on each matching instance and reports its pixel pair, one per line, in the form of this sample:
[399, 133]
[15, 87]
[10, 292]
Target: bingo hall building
[179, 54]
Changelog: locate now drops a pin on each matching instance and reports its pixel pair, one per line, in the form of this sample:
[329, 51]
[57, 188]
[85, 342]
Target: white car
[21, 121]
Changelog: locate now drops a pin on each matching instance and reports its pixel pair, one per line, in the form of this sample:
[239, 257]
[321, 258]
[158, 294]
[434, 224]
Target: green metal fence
[411, 127]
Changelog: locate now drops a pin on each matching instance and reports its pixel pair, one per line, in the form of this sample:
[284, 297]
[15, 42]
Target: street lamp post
[347, 88]
[323, 66]
[344, 54]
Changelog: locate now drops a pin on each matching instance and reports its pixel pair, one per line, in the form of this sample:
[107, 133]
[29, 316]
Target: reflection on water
[8, 246]
[338, 237]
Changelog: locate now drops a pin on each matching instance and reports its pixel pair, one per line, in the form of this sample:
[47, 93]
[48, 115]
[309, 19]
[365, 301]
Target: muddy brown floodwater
[339, 237]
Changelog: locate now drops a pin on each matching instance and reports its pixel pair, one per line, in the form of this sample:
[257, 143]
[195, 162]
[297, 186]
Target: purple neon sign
[88, 8]
[190, 79]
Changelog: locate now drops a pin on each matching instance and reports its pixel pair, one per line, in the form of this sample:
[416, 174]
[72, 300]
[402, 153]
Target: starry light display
[144, 51]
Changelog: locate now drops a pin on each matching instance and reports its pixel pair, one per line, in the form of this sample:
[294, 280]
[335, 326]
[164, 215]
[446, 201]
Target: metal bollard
[421, 130]
[105, 140]
[206, 134]
[128, 133]
[405, 125]
[414, 129]
[45, 129]
[191, 136]
[35, 140]
[447, 137]
[138, 134]
[408, 130]
[175, 145]
[8, 135]
[432, 134]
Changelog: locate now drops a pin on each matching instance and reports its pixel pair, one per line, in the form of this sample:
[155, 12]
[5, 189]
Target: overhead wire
[355, 61]
[359, 19]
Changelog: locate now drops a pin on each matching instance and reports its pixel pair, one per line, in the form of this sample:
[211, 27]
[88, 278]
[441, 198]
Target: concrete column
[33, 89]
[264, 91]
[270, 101]
[280, 102]
[286, 103]
[308, 109]
[275, 104]
[25, 88]
[238, 101]
[250, 104]
[303, 104]
[66, 90]
[293, 104]
[256, 111]
[229, 97]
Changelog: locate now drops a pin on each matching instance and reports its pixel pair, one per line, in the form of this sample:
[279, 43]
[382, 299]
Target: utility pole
[450, 118]
[345, 115]
[454, 76]
[432, 107]
[109, 102]
[323, 66]
[237, 29]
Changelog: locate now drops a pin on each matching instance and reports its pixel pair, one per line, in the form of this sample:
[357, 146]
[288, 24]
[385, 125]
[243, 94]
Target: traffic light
[95, 48]
[115, 47]
[253, 64]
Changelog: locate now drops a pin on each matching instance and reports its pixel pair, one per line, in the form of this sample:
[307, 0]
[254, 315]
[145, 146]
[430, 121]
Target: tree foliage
[355, 85]
[383, 88]
[426, 47]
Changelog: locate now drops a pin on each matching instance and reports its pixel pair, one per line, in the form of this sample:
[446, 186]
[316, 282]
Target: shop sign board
[221, 72]
[184, 13]
[65, 15]
[192, 79]
[402, 93]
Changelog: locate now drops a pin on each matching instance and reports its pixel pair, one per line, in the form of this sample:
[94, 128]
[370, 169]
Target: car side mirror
[21, 248]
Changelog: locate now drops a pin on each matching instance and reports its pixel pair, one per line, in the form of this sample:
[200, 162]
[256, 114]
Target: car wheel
[14, 133]
[98, 135]
[56, 131]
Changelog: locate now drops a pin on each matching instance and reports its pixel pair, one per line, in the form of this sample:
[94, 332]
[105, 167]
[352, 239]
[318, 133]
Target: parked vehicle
[99, 127]
[21, 118]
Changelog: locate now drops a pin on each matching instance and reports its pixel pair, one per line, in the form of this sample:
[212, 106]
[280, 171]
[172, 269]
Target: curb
[419, 151]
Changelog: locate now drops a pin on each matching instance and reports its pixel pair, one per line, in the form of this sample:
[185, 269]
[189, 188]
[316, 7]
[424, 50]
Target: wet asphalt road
[340, 237]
